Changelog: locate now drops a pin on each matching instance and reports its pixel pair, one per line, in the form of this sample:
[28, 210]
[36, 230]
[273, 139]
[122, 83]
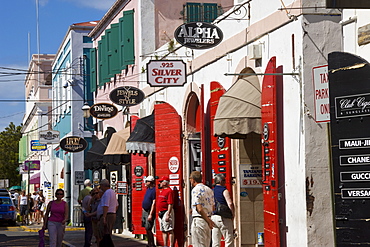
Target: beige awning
[116, 153]
[239, 109]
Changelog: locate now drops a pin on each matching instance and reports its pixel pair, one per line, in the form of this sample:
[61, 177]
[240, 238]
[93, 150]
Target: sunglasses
[93, 194]
[59, 194]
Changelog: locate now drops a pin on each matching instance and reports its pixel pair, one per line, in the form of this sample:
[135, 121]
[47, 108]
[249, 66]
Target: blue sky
[18, 19]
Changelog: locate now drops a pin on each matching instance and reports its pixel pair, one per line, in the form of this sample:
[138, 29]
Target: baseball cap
[164, 178]
[149, 178]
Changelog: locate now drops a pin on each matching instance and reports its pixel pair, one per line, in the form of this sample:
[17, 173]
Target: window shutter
[210, 12]
[114, 46]
[93, 70]
[126, 39]
[193, 12]
[102, 56]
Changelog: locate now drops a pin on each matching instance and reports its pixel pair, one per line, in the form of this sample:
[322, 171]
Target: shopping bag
[42, 238]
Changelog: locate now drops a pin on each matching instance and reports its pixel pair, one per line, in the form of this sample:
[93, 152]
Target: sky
[17, 23]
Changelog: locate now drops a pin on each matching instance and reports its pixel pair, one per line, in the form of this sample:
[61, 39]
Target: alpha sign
[321, 87]
[166, 73]
[198, 35]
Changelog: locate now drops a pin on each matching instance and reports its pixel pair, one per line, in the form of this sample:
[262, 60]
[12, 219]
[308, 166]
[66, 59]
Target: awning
[239, 109]
[142, 138]
[116, 153]
[35, 178]
[94, 157]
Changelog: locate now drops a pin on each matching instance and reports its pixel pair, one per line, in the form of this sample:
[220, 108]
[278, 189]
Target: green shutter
[193, 11]
[126, 39]
[210, 12]
[92, 70]
[102, 56]
[114, 47]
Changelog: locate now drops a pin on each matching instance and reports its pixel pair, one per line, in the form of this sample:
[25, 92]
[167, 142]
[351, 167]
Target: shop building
[247, 108]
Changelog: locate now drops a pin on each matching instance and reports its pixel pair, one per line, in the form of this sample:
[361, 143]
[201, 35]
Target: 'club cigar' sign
[198, 35]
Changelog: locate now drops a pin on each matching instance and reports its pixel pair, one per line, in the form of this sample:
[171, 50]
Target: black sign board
[198, 35]
[103, 110]
[73, 144]
[348, 4]
[126, 96]
[349, 88]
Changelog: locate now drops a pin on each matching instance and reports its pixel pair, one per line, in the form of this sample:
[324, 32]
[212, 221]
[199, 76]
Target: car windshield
[5, 201]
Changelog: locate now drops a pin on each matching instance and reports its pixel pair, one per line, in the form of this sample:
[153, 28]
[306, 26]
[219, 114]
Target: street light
[86, 110]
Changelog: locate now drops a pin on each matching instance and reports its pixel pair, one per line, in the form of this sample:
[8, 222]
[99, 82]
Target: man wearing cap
[202, 205]
[106, 211]
[166, 215]
[148, 205]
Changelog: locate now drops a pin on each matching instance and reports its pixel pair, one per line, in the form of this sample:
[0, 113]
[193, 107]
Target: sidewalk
[74, 237]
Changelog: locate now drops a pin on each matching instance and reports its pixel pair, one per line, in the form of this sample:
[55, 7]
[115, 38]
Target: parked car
[7, 210]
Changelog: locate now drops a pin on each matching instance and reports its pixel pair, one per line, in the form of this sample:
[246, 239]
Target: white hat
[149, 178]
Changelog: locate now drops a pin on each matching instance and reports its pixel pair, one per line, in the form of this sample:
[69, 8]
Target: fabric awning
[142, 138]
[239, 109]
[35, 178]
[94, 157]
[116, 153]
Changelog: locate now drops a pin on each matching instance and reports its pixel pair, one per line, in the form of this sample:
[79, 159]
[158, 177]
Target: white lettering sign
[321, 87]
[165, 73]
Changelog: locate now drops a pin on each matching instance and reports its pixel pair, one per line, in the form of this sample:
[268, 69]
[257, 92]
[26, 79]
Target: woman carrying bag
[55, 219]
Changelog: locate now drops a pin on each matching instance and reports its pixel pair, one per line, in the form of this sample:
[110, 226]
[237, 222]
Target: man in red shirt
[165, 208]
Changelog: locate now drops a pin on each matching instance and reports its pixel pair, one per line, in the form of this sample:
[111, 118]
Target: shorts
[166, 226]
[24, 210]
[148, 225]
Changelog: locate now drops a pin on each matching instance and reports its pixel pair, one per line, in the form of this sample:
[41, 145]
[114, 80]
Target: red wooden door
[168, 144]
[220, 147]
[138, 162]
[270, 156]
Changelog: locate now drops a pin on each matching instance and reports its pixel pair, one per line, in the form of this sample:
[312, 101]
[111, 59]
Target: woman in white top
[23, 206]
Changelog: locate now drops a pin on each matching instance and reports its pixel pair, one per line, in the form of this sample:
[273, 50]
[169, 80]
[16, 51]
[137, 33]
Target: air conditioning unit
[255, 51]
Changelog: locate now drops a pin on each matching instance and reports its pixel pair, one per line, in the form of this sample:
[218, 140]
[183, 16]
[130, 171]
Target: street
[16, 236]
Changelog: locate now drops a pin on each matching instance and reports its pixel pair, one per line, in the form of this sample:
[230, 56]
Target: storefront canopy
[35, 178]
[142, 139]
[239, 109]
[116, 153]
[94, 157]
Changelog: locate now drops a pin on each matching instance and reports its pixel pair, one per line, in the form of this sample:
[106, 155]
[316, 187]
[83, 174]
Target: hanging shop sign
[321, 87]
[49, 137]
[166, 73]
[37, 146]
[31, 165]
[73, 144]
[103, 110]
[126, 96]
[198, 35]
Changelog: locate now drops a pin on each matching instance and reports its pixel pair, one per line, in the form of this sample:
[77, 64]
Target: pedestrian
[106, 211]
[202, 203]
[31, 209]
[223, 218]
[148, 205]
[166, 214]
[92, 207]
[41, 207]
[87, 220]
[55, 219]
[16, 196]
[23, 207]
[85, 191]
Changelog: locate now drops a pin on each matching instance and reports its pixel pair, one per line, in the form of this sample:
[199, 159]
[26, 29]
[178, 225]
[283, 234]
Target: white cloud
[95, 4]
